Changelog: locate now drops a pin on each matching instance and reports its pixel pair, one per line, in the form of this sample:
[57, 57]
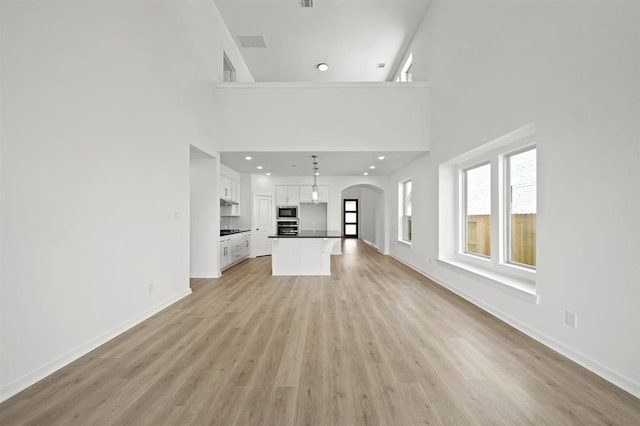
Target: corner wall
[570, 68]
[100, 102]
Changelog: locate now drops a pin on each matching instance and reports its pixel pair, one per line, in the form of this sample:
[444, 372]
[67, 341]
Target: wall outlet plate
[571, 319]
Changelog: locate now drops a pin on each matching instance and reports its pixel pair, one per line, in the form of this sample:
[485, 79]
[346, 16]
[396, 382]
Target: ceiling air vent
[252, 41]
[306, 3]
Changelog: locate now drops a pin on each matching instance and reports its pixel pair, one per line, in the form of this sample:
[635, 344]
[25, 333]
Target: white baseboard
[606, 373]
[205, 276]
[40, 373]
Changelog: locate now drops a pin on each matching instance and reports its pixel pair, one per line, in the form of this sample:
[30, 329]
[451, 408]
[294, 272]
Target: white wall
[323, 117]
[204, 203]
[100, 102]
[572, 69]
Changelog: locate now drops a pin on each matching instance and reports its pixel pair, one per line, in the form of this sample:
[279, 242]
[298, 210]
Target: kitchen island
[305, 253]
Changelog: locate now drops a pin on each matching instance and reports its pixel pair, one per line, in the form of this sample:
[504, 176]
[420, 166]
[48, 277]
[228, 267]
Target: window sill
[405, 243]
[523, 289]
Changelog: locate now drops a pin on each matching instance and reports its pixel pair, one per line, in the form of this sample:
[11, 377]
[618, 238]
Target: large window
[488, 212]
[516, 208]
[404, 211]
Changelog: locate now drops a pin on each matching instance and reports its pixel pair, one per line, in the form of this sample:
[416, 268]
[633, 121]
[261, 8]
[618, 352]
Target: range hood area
[226, 202]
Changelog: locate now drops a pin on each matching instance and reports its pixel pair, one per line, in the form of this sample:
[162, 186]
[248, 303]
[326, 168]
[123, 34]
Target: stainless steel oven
[288, 227]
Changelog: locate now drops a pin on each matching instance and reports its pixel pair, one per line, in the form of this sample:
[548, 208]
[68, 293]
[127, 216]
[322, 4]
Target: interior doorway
[350, 219]
[262, 224]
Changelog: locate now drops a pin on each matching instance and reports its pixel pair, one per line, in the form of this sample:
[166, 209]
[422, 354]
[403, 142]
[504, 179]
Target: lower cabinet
[234, 248]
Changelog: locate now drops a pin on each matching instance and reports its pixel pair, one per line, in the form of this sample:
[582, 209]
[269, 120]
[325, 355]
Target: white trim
[524, 290]
[204, 275]
[40, 373]
[583, 360]
[452, 238]
[406, 243]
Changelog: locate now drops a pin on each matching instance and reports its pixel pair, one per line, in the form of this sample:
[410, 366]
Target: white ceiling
[329, 163]
[352, 36]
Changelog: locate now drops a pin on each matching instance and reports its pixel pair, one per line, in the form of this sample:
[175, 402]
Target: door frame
[344, 220]
[254, 223]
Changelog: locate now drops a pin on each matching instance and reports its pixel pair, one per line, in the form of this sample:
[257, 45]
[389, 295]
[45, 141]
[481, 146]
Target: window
[404, 211]
[488, 212]
[477, 210]
[521, 208]
[228, 70]
[406, 75]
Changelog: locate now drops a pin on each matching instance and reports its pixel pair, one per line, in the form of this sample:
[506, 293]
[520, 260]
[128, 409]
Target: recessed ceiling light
[372, 167]
[381, 157]
[268, 174]
[259, 167]
[323, 67]
[366, 173]
[247, 158]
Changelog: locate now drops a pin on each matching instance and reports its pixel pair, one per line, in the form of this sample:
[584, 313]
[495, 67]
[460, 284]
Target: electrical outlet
[571, 319]
[150, 288]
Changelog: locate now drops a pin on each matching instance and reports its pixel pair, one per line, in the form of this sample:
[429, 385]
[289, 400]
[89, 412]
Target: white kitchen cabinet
[305, 193]
[246, 243]
[234, 195]
[235, 191]
[225, 188]
[224, 251]
[287, 195]
[234, 248]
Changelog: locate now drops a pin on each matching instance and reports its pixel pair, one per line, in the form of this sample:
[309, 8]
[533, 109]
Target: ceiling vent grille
[306, 3]
[252, 41]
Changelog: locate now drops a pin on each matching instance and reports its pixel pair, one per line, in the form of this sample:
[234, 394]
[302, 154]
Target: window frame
[462, 176]
[402, 211]
[406, 70]
[505, 255]
[496, 263]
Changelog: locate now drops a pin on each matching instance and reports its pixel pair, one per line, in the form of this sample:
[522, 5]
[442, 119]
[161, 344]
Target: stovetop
[224, 232]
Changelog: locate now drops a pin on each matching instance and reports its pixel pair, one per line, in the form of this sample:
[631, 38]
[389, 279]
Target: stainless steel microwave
[287, 212]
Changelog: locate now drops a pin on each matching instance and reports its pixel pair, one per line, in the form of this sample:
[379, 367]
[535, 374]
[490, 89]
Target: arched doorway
[364, 214]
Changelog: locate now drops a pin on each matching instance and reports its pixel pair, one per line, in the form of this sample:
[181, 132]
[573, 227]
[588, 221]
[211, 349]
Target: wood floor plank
[376, 343]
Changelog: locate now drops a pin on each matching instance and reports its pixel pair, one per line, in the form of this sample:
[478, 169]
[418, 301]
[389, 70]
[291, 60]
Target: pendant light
[314, 188]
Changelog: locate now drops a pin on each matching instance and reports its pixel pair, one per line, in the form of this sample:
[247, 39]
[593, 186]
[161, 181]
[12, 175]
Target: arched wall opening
[372, 214]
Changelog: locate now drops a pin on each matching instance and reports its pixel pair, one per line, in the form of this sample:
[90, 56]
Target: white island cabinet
[307, 253]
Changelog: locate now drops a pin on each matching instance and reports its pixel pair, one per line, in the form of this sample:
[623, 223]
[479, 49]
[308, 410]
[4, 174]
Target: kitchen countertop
[226, 232]
[311, 234]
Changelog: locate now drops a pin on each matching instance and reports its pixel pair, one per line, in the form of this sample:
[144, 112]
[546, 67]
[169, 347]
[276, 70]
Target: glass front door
[350, 218]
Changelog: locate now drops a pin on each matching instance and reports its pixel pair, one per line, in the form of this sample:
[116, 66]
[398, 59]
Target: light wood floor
[375, 343]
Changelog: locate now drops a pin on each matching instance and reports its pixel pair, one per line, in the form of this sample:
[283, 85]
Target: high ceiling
[351, 36]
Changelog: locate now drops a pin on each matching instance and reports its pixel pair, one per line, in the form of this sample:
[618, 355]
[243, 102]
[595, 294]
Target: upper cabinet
[230, 191]
[287, 195]
[225, 188]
